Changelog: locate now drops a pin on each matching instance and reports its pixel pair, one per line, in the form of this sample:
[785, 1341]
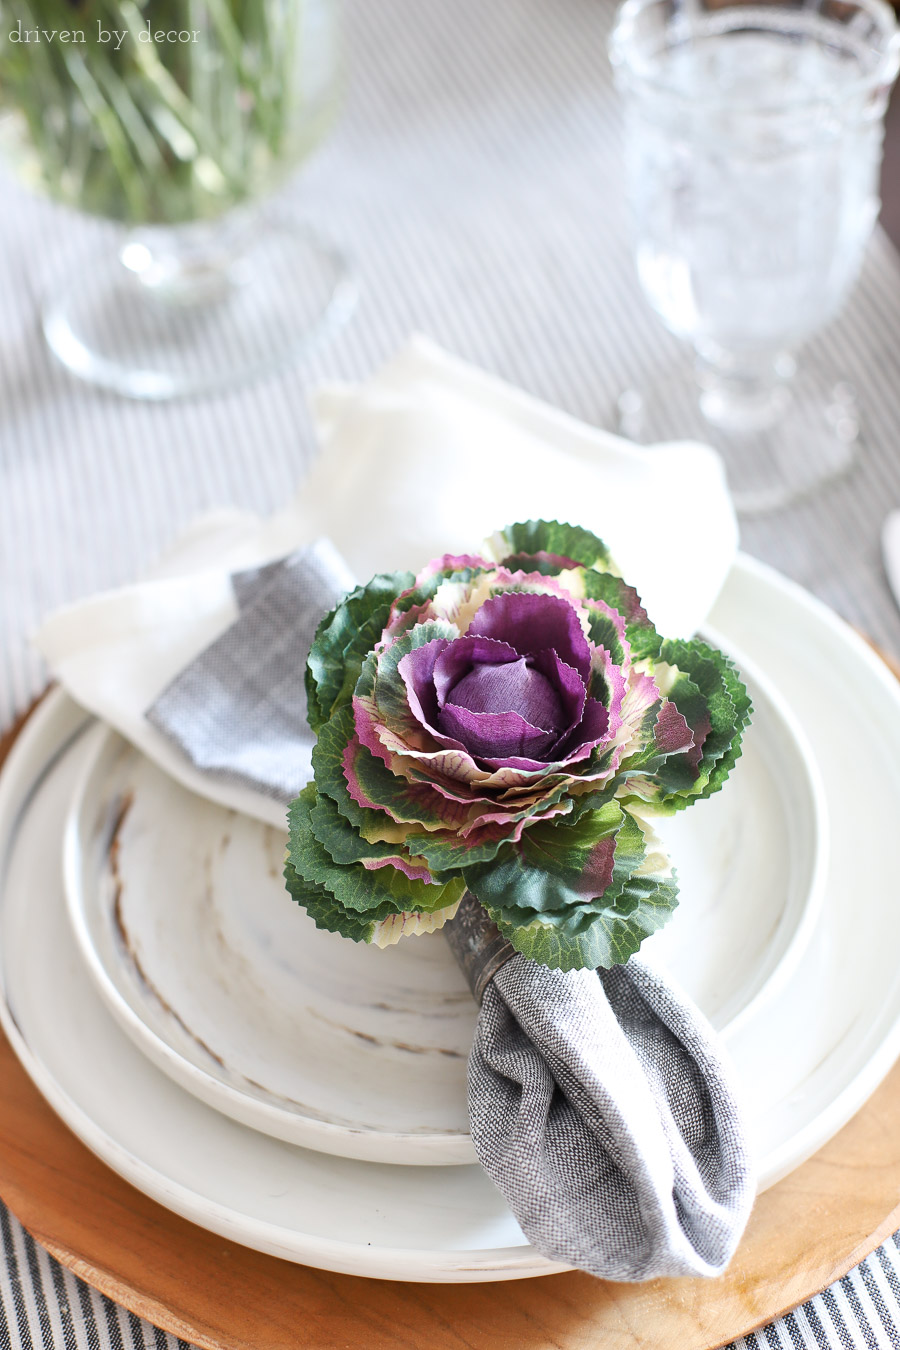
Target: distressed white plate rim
[808, 1061]
[179, 909]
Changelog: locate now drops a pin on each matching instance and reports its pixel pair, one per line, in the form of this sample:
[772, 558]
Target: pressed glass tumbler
[753, 144]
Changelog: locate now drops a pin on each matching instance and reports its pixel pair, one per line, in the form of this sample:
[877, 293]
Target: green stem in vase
[165, 132]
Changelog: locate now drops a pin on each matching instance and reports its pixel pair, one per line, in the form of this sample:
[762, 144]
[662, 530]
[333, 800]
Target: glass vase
[178, 120]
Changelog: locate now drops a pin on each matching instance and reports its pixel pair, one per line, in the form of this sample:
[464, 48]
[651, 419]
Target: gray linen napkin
[599, 1102]
[238, 711]
[600, 1106]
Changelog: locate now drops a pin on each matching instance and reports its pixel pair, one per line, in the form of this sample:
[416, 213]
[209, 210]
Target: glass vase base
[151, 333]
[814, 441]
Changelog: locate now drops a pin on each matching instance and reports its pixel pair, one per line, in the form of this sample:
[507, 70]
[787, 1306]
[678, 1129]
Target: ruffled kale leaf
[343, 640]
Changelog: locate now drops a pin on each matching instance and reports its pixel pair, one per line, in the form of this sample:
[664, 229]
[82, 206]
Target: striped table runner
[476, 180]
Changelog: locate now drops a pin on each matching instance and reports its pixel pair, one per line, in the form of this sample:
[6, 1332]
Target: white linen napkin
[429, 456]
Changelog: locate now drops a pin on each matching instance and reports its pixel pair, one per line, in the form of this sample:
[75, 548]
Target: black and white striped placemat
[475, 178]
[43, 1306]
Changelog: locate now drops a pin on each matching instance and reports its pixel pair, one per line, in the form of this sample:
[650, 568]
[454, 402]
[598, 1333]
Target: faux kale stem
[135, 155]
[171, 97]
[234, 43]
[108, 125]
[169, 176]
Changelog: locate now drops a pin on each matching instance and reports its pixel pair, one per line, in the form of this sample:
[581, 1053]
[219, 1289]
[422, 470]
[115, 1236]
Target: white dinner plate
[807, 1060]
[181, 912]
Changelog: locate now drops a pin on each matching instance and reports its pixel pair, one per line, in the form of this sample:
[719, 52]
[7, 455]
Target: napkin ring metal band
[477, 943]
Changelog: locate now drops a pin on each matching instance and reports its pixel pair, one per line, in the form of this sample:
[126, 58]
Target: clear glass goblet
[177, 122]
[753, 144]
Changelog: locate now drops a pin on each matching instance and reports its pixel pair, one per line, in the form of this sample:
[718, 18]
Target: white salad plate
[807, 1058]
[180, 909]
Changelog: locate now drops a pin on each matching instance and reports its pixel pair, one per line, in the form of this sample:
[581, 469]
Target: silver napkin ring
[477, 943]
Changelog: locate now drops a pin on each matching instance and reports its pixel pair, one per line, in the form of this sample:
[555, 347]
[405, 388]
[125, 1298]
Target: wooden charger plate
[804, 1233]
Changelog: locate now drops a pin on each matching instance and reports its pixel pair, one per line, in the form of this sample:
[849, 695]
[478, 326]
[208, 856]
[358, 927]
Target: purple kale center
[514, 688]
[505, 709]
